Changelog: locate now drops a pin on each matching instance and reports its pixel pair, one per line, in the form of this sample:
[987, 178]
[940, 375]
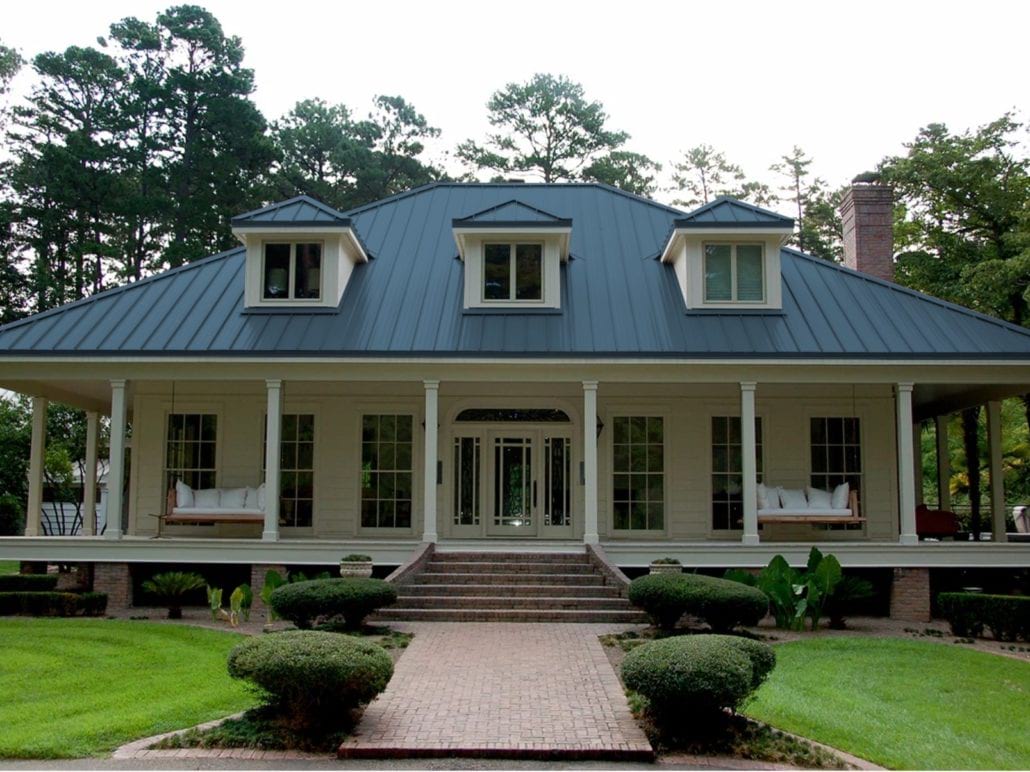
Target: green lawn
[902, 704]
[9, 567]
[82, 687]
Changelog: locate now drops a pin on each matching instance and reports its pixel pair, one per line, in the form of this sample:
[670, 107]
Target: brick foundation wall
[910, 594]
[114, 579]
[867, 217]
[257, 582]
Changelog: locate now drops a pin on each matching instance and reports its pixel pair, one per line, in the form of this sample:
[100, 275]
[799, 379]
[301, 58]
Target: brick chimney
[867, 214]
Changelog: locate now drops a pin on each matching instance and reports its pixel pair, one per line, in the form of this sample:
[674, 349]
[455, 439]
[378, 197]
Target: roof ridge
[299, 198]
[724, 199]
[510, 202]
[901, 288]
[111, 291]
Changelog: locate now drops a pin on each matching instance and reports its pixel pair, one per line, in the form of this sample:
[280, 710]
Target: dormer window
[513, 272]
[300, 253]
[292, 271]
[726, 255]
[734, 273]
[514, 255]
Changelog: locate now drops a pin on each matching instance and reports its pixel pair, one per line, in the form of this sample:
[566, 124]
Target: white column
[590, 534]
[116, 463]
[89, 478]
[906, 468]
[997, 472]
[749, 462]
[429, 533]
[273, 435]
[37, 457]
[943, 463]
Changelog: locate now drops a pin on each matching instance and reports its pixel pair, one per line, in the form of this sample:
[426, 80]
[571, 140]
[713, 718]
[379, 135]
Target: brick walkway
[501, 690]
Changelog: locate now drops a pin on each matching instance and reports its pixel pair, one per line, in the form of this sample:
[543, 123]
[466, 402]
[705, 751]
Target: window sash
[745, 286]
[638, 473]
[191, 449]
[727, 499]
[296, 469]
[836, 451]
[297, 250]
[525, 261]
[387, 470]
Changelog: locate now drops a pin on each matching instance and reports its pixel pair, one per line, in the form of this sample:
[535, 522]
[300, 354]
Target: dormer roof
[296, 212]
[731, 213]
[512, 214]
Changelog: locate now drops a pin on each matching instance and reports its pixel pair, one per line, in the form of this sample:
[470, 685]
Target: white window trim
[417, 418]
[512, 300]
[292, 281]
[308, 409]
[609, 421]
[733, 272]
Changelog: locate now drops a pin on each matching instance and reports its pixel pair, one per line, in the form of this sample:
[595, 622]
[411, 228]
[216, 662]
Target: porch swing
[185, 506]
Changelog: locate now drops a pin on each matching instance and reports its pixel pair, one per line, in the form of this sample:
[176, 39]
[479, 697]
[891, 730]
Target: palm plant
[170, 588]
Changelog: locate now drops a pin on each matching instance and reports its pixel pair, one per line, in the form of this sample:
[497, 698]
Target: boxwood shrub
[353, 599]
[28, 582]
[52, 604]
[968, 613]
[722, 603]
[311, 677]
[697, 674]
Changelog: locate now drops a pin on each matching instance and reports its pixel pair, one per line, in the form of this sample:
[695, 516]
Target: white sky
[848, 81]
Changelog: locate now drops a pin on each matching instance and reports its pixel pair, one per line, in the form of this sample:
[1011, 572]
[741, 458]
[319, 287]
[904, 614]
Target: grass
[9, 567]
[77, 687]
[261, 729]
[900, 703]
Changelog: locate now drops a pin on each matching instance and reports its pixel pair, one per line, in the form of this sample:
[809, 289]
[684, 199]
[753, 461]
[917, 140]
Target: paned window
[386, 471]
[638, 473]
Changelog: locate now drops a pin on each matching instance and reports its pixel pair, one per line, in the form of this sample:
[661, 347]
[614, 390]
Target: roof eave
[680, 232]
[564, 233]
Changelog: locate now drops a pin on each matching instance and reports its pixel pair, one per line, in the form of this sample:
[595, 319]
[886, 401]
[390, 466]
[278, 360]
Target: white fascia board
[678, 234]
[564, 236]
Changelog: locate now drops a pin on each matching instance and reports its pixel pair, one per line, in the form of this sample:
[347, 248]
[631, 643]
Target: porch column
[116, 463]
[943, 463]
[89, 477]
[37, 454]
[749, 462]
[429, 533]
[273, 435]
[997, 472]
[906, 465]
[590, 534]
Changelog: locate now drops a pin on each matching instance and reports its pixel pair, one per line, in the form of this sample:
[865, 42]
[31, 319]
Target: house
[498, 368]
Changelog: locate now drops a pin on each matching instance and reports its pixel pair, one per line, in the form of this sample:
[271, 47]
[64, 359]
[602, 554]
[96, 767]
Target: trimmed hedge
[53, 604]
[698, 674]
[968, 613]
[722, 603]
[28, 582]
[352, 598]
[310, 677]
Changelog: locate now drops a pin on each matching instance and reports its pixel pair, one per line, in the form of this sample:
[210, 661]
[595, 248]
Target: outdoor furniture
[185, 506]
[935, 523]
[814, 508]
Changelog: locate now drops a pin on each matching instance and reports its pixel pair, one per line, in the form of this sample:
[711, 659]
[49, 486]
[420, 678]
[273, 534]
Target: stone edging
[141, 749]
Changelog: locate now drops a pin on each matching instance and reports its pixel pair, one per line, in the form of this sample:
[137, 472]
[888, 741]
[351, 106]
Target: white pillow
[767, 498]
[792, 498]
[233, 498]
[250, 501]
[818, 498]
[261, 497]
[183, 495]
[841, 496]
[208, 498]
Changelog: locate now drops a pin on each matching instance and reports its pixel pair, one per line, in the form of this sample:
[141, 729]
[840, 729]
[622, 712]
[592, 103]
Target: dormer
[727, 256]
[300, 254]
[512, 254]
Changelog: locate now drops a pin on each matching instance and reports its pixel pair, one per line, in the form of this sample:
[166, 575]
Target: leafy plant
[273, 580]
[850, 590]
[214, 600]
[170, 588]
[722, 604]
[821, 578]
[666, 562]
[239, 604]
[353, 599]
[355, 558]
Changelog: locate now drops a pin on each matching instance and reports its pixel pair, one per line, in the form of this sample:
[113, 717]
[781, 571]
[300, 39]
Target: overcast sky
[847, 81]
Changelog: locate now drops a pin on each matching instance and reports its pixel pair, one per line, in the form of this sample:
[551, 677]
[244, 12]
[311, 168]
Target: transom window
[190, 449]
[638, 479]
[386, 471]
[513, 272]
[296, 469]
[836, 452]
[728, 471]
[292, 271]
[734, 273]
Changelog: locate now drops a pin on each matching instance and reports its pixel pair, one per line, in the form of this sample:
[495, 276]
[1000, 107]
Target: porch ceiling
[934, 399]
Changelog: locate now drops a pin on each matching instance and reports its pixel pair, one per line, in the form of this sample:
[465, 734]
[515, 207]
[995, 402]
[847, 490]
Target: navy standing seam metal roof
[617, 298]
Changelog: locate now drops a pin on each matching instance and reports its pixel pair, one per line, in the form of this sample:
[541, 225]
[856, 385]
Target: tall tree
[399, 133]
[13, 286]
[632, 172]
[704, 174]
[801, 189]
[545, 127]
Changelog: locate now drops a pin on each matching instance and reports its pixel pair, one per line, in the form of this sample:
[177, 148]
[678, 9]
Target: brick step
[508, 615]
[550, 590]
[511, 557]
[431, 577]
[490, 567]
[539, 603]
